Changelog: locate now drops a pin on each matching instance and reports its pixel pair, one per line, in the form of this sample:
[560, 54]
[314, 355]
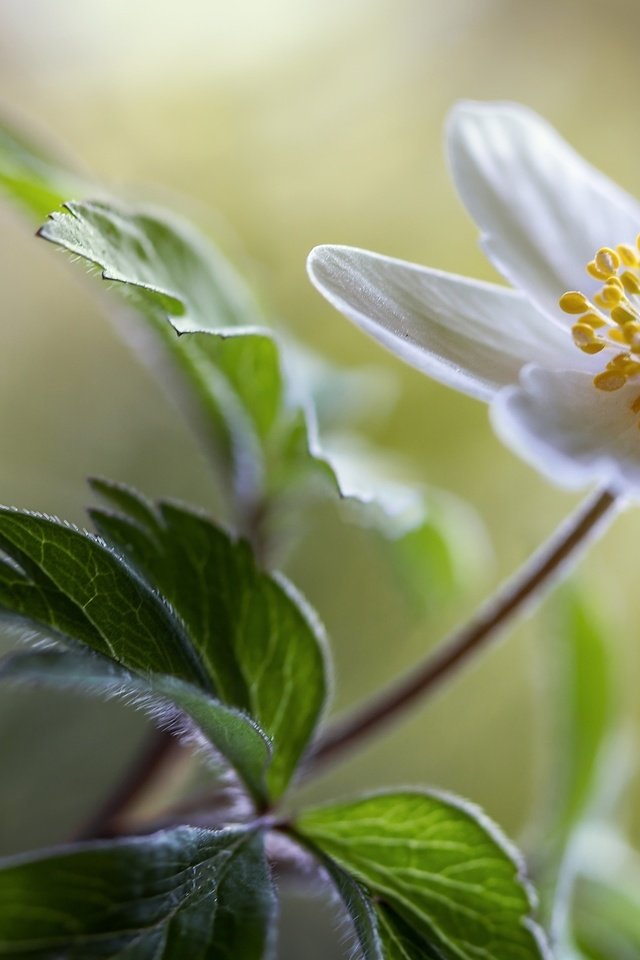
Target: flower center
[611, 320]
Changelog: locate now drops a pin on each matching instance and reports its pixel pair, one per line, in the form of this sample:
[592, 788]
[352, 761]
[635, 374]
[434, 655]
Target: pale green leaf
[440, 867]
[32, 177]
[579, 726]
[254, 418]
[234, 381]
[606, 919]
[170, 269]
[580, 652]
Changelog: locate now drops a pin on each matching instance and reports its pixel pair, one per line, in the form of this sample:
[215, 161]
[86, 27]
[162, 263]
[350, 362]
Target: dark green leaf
[66, 585]
[380, 933]
[439, 867]
[233, 734]
[359, 906]
[260, 644]
[181, 893]
[72, 585]
[401, 941]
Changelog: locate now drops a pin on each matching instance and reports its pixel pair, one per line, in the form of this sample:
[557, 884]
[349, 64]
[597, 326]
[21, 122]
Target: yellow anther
[623, 315]
[631, 331]
[592, 269]
[620, 360]
[630, 282]
[582, 334]
[609, 380]
[628, 255]
[611, 319]
[607, 261]
[573, 302]
[612, 293]
[593, 319]
[594, 347]
[632, 369]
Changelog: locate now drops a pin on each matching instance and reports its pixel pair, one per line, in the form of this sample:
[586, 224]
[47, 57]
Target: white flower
[560, 370]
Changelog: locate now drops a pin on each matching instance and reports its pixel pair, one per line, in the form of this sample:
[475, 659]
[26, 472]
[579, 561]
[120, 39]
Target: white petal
[470, 335]
[542, 209]
[570, 431]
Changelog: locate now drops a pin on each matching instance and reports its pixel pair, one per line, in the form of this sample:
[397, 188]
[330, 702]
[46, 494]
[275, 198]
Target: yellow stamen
[630, 282]
[628, 255]
[609, 380]
[607, 261]
[593, 319]
[623, 315]
[620, 360]
[582, 334]
[631, 331]
[612, 293]
[592, 268]
[610, 318]
[574, 302]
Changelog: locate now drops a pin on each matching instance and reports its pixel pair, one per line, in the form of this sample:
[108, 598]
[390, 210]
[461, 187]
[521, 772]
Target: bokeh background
[277, 125]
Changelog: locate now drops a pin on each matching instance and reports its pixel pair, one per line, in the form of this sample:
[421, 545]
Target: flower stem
[527, 585]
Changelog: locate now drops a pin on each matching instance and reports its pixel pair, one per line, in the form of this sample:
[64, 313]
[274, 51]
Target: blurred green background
[277, 125]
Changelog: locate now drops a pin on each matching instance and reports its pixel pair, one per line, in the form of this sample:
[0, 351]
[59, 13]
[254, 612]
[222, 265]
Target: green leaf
[261, 645]
[606, 918]
[358, 903]
[435, 543]
[31, 176]
[181, 893]
[65, 585]
[235, 386]
[170, 269]
[583, 711]
[254, 418]
[231, 384]
[234, 735]
[579, 726]
[380, 934]
[74, 586]
[400, 941]
[449, 885]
